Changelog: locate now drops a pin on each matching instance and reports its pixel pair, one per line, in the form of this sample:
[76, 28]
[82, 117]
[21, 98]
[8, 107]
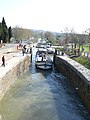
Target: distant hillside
[40, 31]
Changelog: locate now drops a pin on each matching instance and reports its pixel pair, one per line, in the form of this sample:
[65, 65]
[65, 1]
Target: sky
[49, 15]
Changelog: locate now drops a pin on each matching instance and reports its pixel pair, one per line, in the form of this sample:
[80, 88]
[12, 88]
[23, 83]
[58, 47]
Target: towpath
[9, 51]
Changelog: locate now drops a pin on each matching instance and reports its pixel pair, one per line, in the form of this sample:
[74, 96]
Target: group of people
[26, 50]
[41, 55]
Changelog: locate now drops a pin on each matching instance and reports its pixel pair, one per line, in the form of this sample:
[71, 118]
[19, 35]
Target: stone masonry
[14, 68]
[78, 75]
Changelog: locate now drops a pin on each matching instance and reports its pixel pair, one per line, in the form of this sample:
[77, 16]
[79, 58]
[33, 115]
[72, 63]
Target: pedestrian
[17, 47]
[62, 53]
[23, 51]
[82, 49]
[75, 51]
[3, 61]
[30, 50]
[78, 51]
[55, 51]
[24, 47]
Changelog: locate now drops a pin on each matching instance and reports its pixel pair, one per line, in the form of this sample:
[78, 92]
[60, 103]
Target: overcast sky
[51, 15]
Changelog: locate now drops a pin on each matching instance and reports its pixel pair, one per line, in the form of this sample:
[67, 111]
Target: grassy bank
[83, 60]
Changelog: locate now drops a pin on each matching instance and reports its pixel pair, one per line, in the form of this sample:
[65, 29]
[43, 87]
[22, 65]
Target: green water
[28, 97]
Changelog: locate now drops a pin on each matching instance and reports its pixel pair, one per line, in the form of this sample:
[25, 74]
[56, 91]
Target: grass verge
[83, 60]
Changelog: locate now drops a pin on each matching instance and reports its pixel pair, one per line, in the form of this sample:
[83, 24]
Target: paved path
[8, 53]
[12, 59]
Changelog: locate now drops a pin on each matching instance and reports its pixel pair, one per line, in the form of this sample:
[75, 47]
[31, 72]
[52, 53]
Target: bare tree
[50, 37]
[68, 35]
[21, 33]
[17, 32]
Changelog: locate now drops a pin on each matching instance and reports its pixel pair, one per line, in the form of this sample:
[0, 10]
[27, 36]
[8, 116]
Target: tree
[73, 39]
[20, 33]
[80, 40]
[9, 33]
[66, 37]
[4, 31]
[0, 31]
[17, 32]
[50, 37]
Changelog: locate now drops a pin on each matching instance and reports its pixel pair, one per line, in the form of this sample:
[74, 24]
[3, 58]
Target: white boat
[43, 60]
[50, 50]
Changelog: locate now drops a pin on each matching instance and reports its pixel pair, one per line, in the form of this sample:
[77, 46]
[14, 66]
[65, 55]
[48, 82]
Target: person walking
[3, 61]
[23, 51]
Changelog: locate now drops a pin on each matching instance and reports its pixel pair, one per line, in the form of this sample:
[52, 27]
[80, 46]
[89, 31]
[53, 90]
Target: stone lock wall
[12, 74]
[77, 78]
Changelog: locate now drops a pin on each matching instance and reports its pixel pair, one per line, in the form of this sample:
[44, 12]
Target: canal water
[42, 95]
